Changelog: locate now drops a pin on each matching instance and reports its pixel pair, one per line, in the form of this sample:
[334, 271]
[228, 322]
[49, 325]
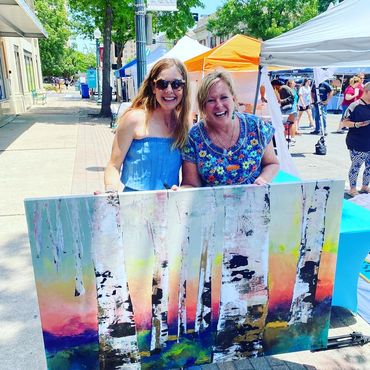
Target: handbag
[320, 147]
[286, 107]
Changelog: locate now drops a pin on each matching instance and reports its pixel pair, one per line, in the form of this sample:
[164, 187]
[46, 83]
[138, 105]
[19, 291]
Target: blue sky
[210, 6]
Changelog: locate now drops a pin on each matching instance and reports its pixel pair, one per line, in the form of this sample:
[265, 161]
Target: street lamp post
[140, 40]
[97, 35]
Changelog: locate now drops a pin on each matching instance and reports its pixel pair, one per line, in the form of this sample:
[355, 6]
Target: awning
[18, 20]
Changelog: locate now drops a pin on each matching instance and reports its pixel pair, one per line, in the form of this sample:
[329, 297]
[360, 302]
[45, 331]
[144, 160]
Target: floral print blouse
[240, 164]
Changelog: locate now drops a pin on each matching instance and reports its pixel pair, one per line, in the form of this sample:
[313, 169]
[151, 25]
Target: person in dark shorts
[357, 119]
[304, 102]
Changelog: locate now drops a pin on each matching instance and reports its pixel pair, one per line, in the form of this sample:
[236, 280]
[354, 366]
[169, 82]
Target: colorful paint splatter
[172, 279]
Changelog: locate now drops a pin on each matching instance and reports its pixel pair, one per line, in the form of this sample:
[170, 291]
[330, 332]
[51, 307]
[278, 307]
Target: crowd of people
[354, 120]
[295, 101]
[156, 136]
[59, 82]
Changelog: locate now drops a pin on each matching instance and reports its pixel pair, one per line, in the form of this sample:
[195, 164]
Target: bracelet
[110, 189]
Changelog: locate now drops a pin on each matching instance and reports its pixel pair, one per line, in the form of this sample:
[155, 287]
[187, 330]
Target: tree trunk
[158, 230]
[118, 346]
[107, 35]
[312, 242]
[244, 295]
[120, 46]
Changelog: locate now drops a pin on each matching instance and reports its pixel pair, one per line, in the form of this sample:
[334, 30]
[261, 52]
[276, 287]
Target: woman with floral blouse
[227, 147]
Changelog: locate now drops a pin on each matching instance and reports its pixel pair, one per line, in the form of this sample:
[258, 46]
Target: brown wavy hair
[146, 99]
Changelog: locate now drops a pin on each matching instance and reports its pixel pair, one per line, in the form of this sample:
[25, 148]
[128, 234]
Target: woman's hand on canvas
[260, 181]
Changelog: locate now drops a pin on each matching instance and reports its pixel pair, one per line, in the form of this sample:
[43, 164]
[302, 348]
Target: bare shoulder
[131, 121]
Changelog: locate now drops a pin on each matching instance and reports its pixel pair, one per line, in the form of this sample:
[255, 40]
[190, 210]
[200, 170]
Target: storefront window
[2, 82]
[18, 68]
[29, 71]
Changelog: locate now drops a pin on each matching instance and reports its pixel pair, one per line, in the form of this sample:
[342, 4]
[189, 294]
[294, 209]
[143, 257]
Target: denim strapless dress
[151, 163]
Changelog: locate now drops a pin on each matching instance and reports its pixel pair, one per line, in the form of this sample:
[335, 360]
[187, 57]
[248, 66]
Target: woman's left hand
[260, 181]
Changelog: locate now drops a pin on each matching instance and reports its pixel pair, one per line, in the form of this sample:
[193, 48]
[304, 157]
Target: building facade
[205, 37]
[20, 66]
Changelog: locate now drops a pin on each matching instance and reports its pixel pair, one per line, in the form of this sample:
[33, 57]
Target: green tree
[57, 58]
[323, 4]
[75, 61]
[53, 15]
[116, 20]
[262, 19]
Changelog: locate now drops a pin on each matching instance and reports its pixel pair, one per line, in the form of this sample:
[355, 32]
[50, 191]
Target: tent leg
[257, 88]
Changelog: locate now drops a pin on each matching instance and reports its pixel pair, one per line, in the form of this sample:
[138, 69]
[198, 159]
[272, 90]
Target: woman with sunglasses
[150, 134]
[226, 147]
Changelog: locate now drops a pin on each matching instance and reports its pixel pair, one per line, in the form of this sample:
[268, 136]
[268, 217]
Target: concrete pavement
[61, 149]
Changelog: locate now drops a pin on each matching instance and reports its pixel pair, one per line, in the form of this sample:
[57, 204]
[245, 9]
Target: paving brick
[259, 363]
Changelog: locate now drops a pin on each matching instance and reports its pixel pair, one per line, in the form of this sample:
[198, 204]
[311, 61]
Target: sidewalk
[61, 149]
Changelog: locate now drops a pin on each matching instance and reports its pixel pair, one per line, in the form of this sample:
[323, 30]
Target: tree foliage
[53, 16]
[116, 20]
[262, 19]
[57, 58]
[324, 4]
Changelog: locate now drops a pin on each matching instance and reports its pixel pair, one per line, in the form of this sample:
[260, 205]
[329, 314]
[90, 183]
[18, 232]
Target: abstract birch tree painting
[158, 280]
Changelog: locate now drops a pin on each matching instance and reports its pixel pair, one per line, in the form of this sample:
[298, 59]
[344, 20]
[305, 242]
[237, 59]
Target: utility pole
[140, 40]
[97, 35]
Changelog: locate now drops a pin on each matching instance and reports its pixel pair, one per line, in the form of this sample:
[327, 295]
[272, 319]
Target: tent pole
[257, 88]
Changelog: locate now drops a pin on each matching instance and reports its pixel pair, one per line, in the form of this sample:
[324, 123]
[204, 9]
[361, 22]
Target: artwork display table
[354, 245]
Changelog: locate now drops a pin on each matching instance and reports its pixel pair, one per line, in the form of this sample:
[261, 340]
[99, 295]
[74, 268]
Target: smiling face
[168, 97]
[220, 104]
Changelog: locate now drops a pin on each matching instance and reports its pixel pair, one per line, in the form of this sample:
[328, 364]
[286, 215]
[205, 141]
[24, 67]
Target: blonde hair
[290, 83]
[354, 80]
[146, 99]
[207, 83]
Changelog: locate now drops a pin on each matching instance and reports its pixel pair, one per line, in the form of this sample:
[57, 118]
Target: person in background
[294, 115]
[227, 147]
[304, 102]
[357, 118]
[361, 76]
[150, 134]
[286, 96]
[351, 94]
[325, 93]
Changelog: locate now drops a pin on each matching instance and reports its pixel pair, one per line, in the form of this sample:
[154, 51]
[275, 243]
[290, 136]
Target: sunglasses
[163, 84]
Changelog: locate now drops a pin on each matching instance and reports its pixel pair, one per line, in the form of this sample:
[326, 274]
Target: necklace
[221, 143]
[225, 152]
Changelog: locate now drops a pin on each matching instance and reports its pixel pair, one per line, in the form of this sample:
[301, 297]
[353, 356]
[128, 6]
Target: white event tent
[186, 48]
[339, 37]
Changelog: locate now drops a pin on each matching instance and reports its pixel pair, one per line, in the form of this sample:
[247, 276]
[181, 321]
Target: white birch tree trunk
[37, 231]
[55, 232]
[182, 317]
[312, 242]
[157, 231]
[118, 348]
[77, 248]
[204, 302]
[244, 294]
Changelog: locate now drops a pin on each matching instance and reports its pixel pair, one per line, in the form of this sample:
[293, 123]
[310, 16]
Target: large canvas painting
[166, 279]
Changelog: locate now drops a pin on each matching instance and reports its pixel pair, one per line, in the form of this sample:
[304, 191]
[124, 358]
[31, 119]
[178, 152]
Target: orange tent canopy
[240, 53]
